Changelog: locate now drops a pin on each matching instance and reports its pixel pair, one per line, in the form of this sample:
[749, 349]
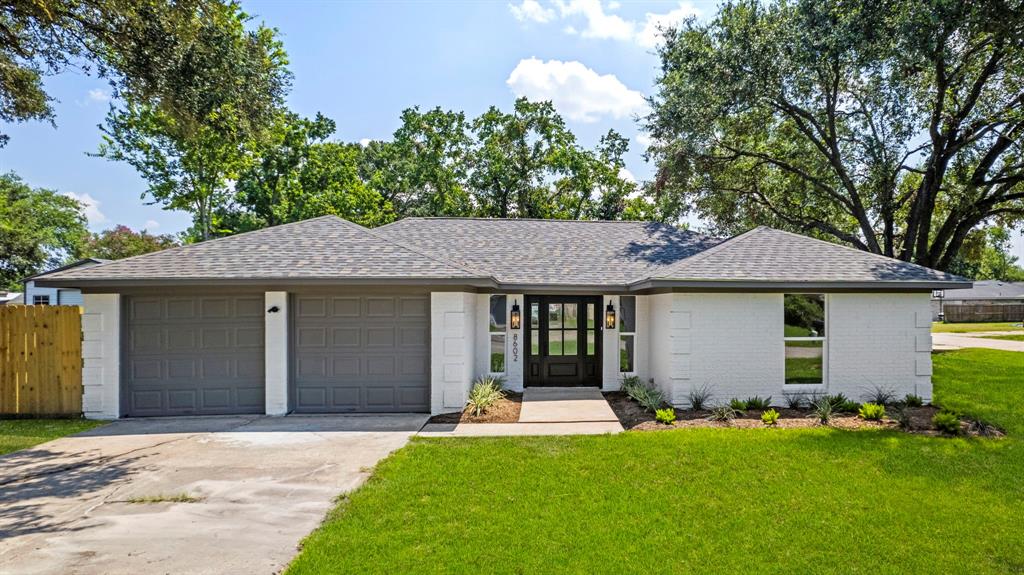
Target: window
[496, 327]
[805, 338]
[627, 333]
[563, 328]
[40, 300]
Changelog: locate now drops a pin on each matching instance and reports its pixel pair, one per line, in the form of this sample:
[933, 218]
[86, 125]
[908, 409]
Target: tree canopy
[123, 242]
[39, 230]
[895, 127]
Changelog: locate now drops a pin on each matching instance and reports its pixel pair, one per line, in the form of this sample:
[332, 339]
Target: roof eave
[263, 281]
[874, 285]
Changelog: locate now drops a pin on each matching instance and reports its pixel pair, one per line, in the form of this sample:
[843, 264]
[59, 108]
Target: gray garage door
[361, 352]
[193, 355]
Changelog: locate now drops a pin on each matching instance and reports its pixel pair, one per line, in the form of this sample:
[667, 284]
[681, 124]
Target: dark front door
[564, 335]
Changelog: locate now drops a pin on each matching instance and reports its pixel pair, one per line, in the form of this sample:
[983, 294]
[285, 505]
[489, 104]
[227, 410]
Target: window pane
[569, 319]
[554, 343]
[497, 353]
[591, 317]
[626, 353]
[627, 313]
[534, 342]
[804, 361]
[534, 315]
[590, 342]
[554, 315]
[805, 315]
[569, 343]
[498, 313]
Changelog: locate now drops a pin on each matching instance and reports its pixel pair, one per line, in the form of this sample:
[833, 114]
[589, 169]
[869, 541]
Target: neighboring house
[37, 295]
[10, 298]
[987, 300]
[326, 316]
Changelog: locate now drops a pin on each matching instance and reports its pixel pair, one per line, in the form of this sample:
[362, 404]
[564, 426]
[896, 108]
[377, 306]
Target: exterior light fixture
[609, 316]
[515, 318]
[274, 309]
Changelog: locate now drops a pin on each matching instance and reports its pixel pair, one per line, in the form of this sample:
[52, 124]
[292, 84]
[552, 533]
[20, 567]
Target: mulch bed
[504, 411]
[633, 417]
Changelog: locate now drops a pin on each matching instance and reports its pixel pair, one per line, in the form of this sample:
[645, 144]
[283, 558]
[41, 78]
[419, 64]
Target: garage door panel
[200, 355]
[376, 358]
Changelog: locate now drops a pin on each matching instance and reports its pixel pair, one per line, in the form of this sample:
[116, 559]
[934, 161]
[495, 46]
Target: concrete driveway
[263, 484]
[947, 341]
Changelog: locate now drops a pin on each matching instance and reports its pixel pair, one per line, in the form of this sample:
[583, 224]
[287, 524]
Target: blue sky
[362, 63]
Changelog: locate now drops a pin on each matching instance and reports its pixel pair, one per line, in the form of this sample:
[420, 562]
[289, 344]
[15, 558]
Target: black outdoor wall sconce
[515, 318]
[274, 309]
[609, 316]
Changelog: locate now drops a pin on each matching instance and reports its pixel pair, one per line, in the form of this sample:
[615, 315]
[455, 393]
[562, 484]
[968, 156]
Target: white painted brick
[101, 356]
[923, 343]
[924, 365]
[453, 329]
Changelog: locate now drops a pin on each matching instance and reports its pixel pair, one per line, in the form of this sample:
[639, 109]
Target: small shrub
[837, 400]
[631, 382]
[723, 413]
[902, 417]
[849, 407]
[699, 397]
[880, 396]
[947, 422]
[486, 391]
[666, 416]
[871, 412]
[770, 417]
[983, 428]
[822, 410]
[649, 397]
[737, 404]
[912, 400]
[757, 402]
[795, 401]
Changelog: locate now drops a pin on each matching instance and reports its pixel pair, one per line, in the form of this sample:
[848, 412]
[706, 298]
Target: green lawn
[701, 500]
[939, 327]
[1014, 337]
[18, 434]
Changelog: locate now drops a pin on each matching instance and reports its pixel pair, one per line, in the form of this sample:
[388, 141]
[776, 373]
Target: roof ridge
[563, 220]
[708, 252]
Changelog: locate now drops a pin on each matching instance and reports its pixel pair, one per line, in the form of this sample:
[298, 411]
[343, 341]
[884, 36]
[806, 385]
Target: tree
[227, 87]
[39, 230]
[123, 242]
[895, 127]
[142, 47]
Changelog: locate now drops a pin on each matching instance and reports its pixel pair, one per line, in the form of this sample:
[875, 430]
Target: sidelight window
[627, 334]
[498, 314]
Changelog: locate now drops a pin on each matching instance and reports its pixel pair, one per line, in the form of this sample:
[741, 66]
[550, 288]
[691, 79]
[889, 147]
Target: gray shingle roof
[552, 252]
[509, 253]
[327, 247]
[989, 289]
[768, 255]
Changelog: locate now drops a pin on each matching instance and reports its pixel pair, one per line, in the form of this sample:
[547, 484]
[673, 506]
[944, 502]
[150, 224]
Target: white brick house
[327, 316]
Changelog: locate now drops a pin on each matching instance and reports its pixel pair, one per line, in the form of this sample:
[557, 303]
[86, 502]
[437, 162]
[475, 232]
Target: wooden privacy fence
[40, 360]
[983, 312]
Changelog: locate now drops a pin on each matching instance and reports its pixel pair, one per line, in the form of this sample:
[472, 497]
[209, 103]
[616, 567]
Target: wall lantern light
[609, 316]
[273, 309]
[515, 318]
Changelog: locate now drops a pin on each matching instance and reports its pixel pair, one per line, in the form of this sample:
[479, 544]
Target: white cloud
[614, 5]
[644, 139]
[91, 207]
[599, 24]
[578, 92]
[532, 10]
[651, 34]
[99, 95]
[151, 225]
[364, 142]
[627, 175]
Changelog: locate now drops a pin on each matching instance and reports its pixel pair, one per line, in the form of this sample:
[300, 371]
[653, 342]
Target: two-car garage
[203, 354]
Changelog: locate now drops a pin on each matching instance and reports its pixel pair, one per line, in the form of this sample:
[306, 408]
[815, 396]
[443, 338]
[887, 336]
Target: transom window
[805, 338]
[627, 334]
[496, 322]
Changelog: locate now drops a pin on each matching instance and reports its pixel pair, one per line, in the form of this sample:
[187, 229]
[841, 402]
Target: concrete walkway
[948, 341]
[262, 485]
[545, 411]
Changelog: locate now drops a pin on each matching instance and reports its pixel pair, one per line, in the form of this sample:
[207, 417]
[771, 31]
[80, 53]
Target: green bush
[770, 417]
[871, 411]
[723, 413]
[849, 407]
[699, 397]
[903, 418]
[880, 396]
[822, 410]
[947, 422]
[757, 402]
[631, 382]
[794, 401]
[912, 400]
[648, 396]
[486, 391]
[738, 404]
[666, 416]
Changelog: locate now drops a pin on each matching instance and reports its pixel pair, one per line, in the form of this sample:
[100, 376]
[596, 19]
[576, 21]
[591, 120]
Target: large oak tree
[893, 126]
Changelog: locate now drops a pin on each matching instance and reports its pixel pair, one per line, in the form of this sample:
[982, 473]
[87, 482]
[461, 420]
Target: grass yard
[1014, 337]
[18, 434]
[707, 500]
[939, 327]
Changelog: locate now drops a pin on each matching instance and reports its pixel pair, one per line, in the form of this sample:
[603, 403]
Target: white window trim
[504, 335]
[803, 387]
[618, 340]
[36, 298]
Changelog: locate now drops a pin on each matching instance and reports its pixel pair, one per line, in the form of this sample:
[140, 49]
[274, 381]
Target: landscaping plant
[648, 396]
[699, 397]
[880, 396]
[723, 413]
[903, 418]
[822, 409]
[983, 428]
[770, 417]
[947, 422]
[486, 391]
[794, 401]
[871, 412]
[912, 400]
[631, 382]
[666, 416]
[757, 402]
[738, 404]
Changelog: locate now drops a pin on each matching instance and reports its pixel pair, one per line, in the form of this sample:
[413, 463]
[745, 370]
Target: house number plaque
[515, 347]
